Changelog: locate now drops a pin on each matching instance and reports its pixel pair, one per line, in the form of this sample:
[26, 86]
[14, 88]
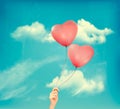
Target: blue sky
[31, 61]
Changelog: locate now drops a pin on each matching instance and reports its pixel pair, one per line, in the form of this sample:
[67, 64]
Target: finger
[53, 95]
[50, 96]
[54, 92]
[56, 89]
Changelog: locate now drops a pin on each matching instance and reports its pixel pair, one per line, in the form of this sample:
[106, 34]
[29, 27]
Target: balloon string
[73, 72]
[65, 61]
[63, 67]
[23, 46]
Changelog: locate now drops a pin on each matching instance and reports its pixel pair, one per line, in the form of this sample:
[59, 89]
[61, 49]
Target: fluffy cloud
[77, 83]
[11, 80]
[88, 33]
[34, 31]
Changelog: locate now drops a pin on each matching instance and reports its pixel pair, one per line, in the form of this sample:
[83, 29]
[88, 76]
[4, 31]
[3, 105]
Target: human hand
[53, 98]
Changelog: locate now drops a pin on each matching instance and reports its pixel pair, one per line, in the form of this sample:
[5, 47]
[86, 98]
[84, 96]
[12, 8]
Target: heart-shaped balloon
[65, 33]
[80, 55]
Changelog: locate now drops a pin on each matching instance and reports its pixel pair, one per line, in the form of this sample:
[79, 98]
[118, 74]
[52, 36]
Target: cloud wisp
[11, 79]
[77, 84]
[88, 33]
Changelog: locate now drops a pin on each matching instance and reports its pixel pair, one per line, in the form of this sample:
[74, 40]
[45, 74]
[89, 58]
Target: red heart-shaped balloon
[65, 33]
[80, 55]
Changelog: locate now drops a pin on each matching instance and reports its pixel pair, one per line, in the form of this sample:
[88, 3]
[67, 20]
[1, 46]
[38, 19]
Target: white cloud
[11, 79]
[77, 83]
[88, 33]
[34, 31]
[48, 38]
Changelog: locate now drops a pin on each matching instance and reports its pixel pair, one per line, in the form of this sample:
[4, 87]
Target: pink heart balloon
[80, 55]
[65, 34]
